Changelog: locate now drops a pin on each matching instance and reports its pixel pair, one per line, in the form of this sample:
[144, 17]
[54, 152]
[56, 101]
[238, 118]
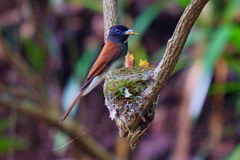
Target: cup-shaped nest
[125, 91]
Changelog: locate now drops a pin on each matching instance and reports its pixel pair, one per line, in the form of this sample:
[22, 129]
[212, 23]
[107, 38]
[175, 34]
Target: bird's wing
[108, 54]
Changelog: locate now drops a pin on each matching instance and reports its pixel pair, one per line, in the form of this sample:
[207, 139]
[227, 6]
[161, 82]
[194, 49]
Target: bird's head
[119, 34]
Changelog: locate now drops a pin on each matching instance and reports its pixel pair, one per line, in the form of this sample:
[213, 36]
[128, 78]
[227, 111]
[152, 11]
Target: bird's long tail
[79, 95]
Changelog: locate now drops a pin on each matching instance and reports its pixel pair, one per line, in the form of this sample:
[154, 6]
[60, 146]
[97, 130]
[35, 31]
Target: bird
[115, 48]
[129, 60]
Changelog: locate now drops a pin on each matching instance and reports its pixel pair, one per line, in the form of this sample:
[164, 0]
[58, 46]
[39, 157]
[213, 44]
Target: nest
[124, 91]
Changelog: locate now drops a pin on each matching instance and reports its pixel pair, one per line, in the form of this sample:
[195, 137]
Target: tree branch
[110, 15]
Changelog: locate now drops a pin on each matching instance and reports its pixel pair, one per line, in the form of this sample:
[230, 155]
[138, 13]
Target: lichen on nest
[124, 92]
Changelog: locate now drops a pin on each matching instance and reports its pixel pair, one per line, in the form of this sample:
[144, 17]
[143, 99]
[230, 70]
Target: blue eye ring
[117, 31]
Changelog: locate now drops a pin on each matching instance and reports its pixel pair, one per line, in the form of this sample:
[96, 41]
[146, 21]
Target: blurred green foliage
[6, 144]
[34, 54]
[9, 143]
[94, 5]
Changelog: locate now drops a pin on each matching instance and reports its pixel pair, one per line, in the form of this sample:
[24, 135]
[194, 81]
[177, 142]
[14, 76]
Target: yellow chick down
[143, 63]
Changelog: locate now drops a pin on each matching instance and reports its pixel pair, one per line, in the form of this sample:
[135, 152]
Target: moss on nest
[133, 79]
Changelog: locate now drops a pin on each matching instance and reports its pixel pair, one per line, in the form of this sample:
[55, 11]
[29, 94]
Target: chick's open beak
[130, 32]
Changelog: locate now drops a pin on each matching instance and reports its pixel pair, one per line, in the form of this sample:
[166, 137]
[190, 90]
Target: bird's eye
[117, 31]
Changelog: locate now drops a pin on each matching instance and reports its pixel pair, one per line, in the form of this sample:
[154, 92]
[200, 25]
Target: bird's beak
[130, 32]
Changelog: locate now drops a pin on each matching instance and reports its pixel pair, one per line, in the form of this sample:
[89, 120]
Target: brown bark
[110, 15]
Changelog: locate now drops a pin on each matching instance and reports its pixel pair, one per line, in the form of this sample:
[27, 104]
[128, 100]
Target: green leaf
[233, 64]
[219, 39]
[235, 154]
[7, 143]
[182, 3]
[235, 38]
[231, 10]
[4, 124]
[94, 5]
[140, 54]
[143, 21]
[34, 54]
[230, 87]
[86, 61]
